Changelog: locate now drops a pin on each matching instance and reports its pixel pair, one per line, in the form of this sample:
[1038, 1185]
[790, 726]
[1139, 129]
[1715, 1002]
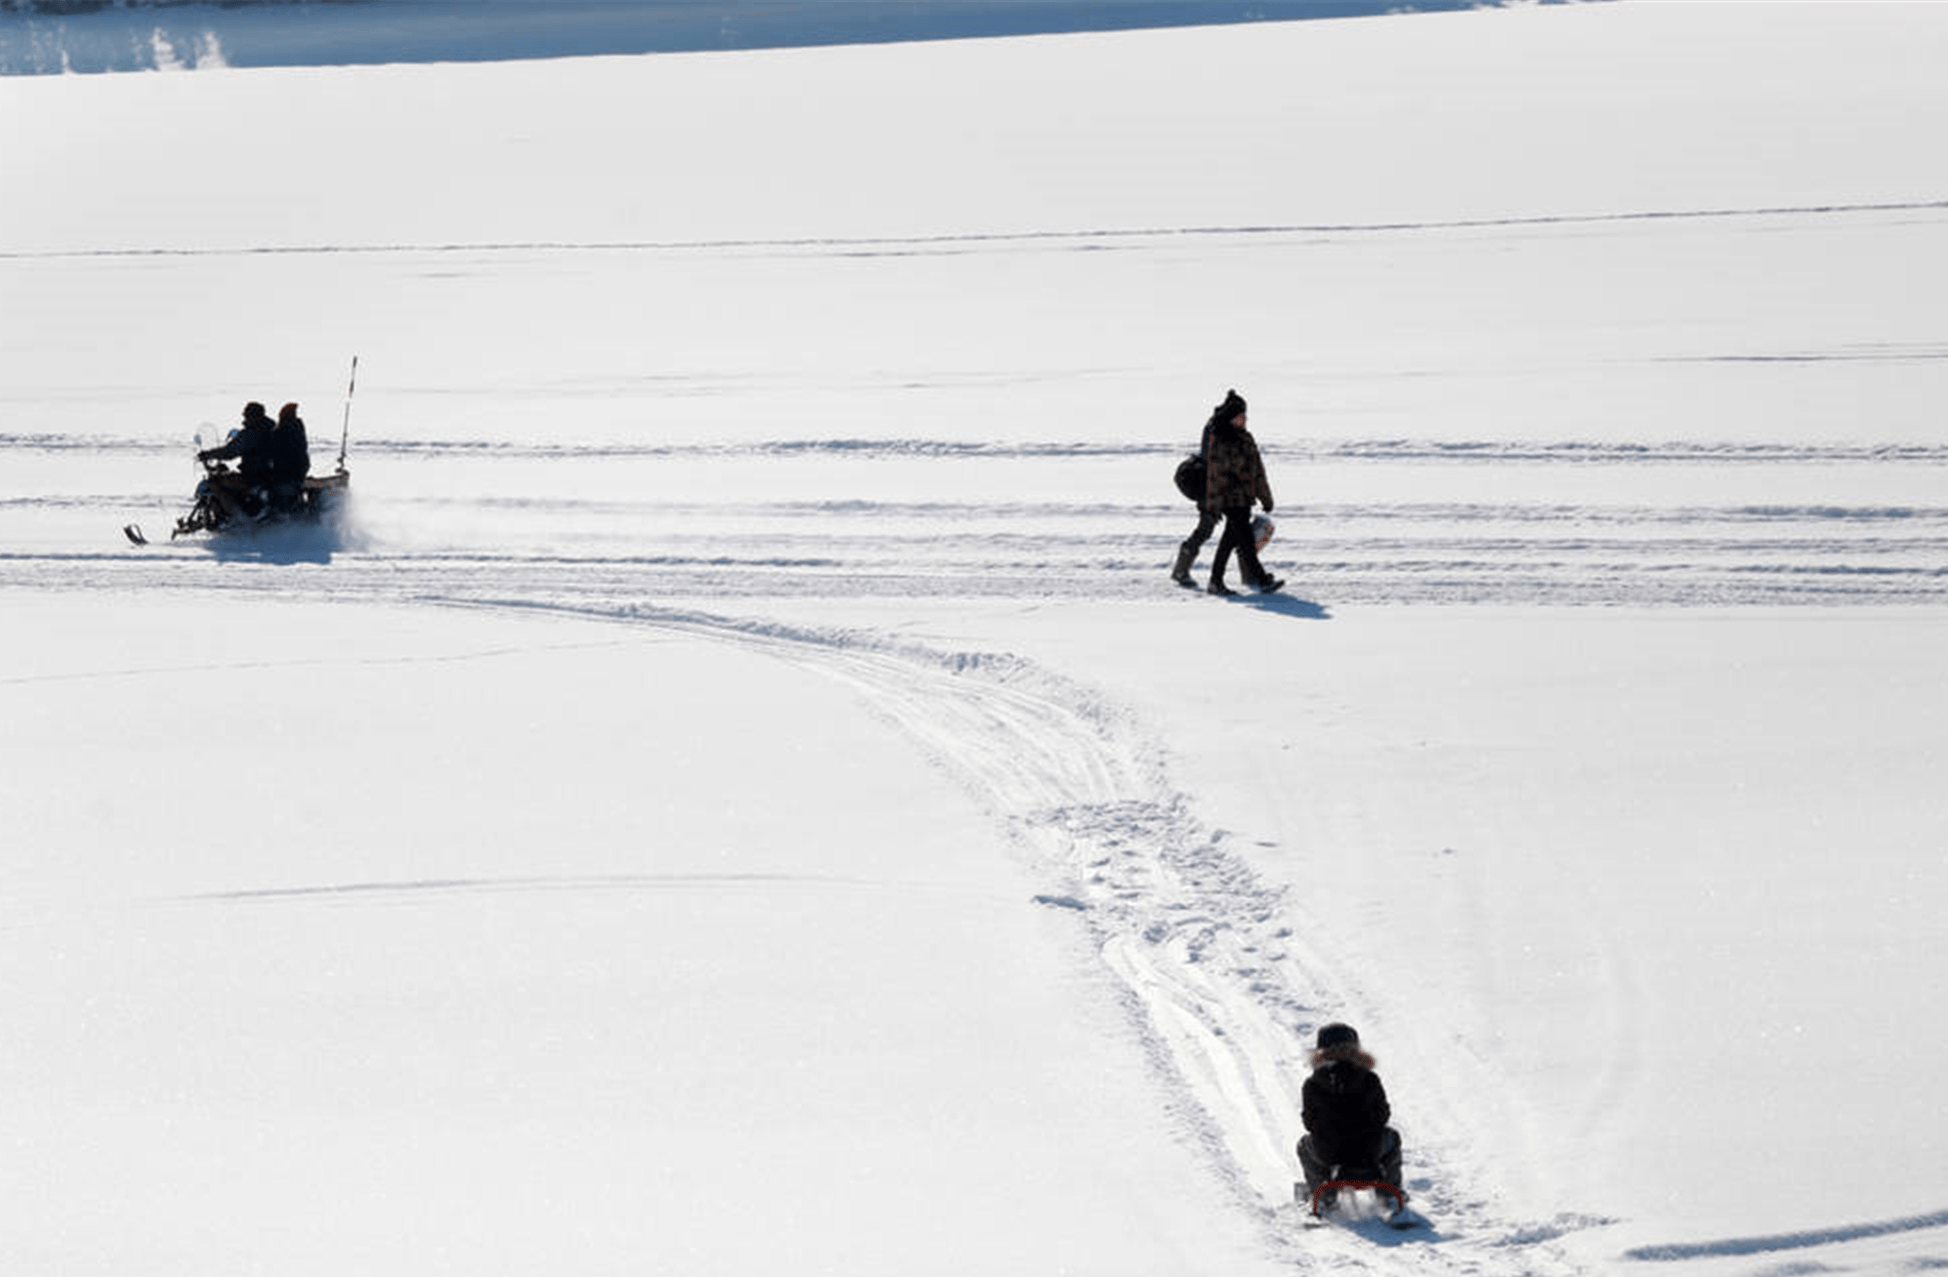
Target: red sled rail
[1398, 1194]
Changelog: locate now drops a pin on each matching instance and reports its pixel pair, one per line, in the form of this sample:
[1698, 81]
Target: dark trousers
[240, 497]
[1207, 521]
[288, 494]
[1318, 1170]
[1237, 537]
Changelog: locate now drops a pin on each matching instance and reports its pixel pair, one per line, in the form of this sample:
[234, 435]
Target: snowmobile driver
[244, 492]
[1345, 1110]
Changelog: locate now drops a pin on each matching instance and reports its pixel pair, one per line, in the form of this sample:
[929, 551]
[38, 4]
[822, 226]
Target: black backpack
[1190, 477]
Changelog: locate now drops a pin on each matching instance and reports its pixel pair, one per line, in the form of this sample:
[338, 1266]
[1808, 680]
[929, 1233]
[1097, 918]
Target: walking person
[1234, 477]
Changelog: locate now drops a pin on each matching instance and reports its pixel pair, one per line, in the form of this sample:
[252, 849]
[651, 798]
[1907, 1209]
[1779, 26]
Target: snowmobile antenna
[345, 438]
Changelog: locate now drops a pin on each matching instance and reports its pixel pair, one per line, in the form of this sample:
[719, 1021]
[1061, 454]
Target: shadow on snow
[1787, 1241]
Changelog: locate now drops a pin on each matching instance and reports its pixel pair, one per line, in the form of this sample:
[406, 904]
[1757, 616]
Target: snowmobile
[223, 502]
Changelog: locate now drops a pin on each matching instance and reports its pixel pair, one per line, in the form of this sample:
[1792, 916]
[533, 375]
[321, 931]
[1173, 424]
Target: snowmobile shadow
[283, 545]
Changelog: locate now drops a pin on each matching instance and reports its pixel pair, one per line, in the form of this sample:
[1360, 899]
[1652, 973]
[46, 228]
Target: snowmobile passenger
[243, 493]
[1234, 475]
[290, 454]
[1345, 1111]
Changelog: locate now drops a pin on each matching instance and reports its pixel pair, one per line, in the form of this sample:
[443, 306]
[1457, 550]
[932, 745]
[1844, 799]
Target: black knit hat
[1338, 1035]
[1233, 404]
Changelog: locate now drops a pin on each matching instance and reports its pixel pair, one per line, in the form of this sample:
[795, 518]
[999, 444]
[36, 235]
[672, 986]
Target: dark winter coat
[1345, 1109]
[250, 446]
[289, 449]
[1234, 475]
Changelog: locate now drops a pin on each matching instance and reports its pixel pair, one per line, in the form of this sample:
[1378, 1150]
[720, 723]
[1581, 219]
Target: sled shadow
[1373, 1230]
[1380, 1234]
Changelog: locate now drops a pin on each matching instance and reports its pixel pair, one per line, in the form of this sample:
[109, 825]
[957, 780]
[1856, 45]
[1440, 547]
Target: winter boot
[1269, 584]
[1186, 555]
[1219, 587]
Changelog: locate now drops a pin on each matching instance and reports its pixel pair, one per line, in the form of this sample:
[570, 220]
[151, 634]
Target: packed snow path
[1576, 454]
[1494, 523]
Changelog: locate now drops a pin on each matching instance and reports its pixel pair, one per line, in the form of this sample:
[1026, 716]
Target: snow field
[641, 995]
[763, 804]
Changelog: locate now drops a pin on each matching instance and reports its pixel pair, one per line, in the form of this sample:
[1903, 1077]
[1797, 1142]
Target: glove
[1268, 505]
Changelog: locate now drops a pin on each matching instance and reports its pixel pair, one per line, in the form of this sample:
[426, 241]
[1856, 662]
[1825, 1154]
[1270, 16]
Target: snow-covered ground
[740, 793]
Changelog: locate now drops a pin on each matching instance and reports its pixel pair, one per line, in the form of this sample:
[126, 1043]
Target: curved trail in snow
[1220, 988]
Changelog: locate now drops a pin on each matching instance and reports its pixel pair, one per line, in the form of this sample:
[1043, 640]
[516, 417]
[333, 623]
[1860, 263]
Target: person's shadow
[1284, 605]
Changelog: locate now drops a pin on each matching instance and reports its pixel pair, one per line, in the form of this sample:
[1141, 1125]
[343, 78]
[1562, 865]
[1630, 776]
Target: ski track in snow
[1734, 556]
[1402, 451]
[1816, 523]
[1098, 239]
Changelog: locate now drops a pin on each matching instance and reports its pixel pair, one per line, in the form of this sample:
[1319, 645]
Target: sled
[1347, 1186]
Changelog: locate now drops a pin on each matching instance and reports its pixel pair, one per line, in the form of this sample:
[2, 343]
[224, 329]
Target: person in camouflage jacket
[1234, 477]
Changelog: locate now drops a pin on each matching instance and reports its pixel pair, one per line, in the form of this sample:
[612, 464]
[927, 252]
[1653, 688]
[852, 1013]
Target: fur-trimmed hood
[1349, 1052]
